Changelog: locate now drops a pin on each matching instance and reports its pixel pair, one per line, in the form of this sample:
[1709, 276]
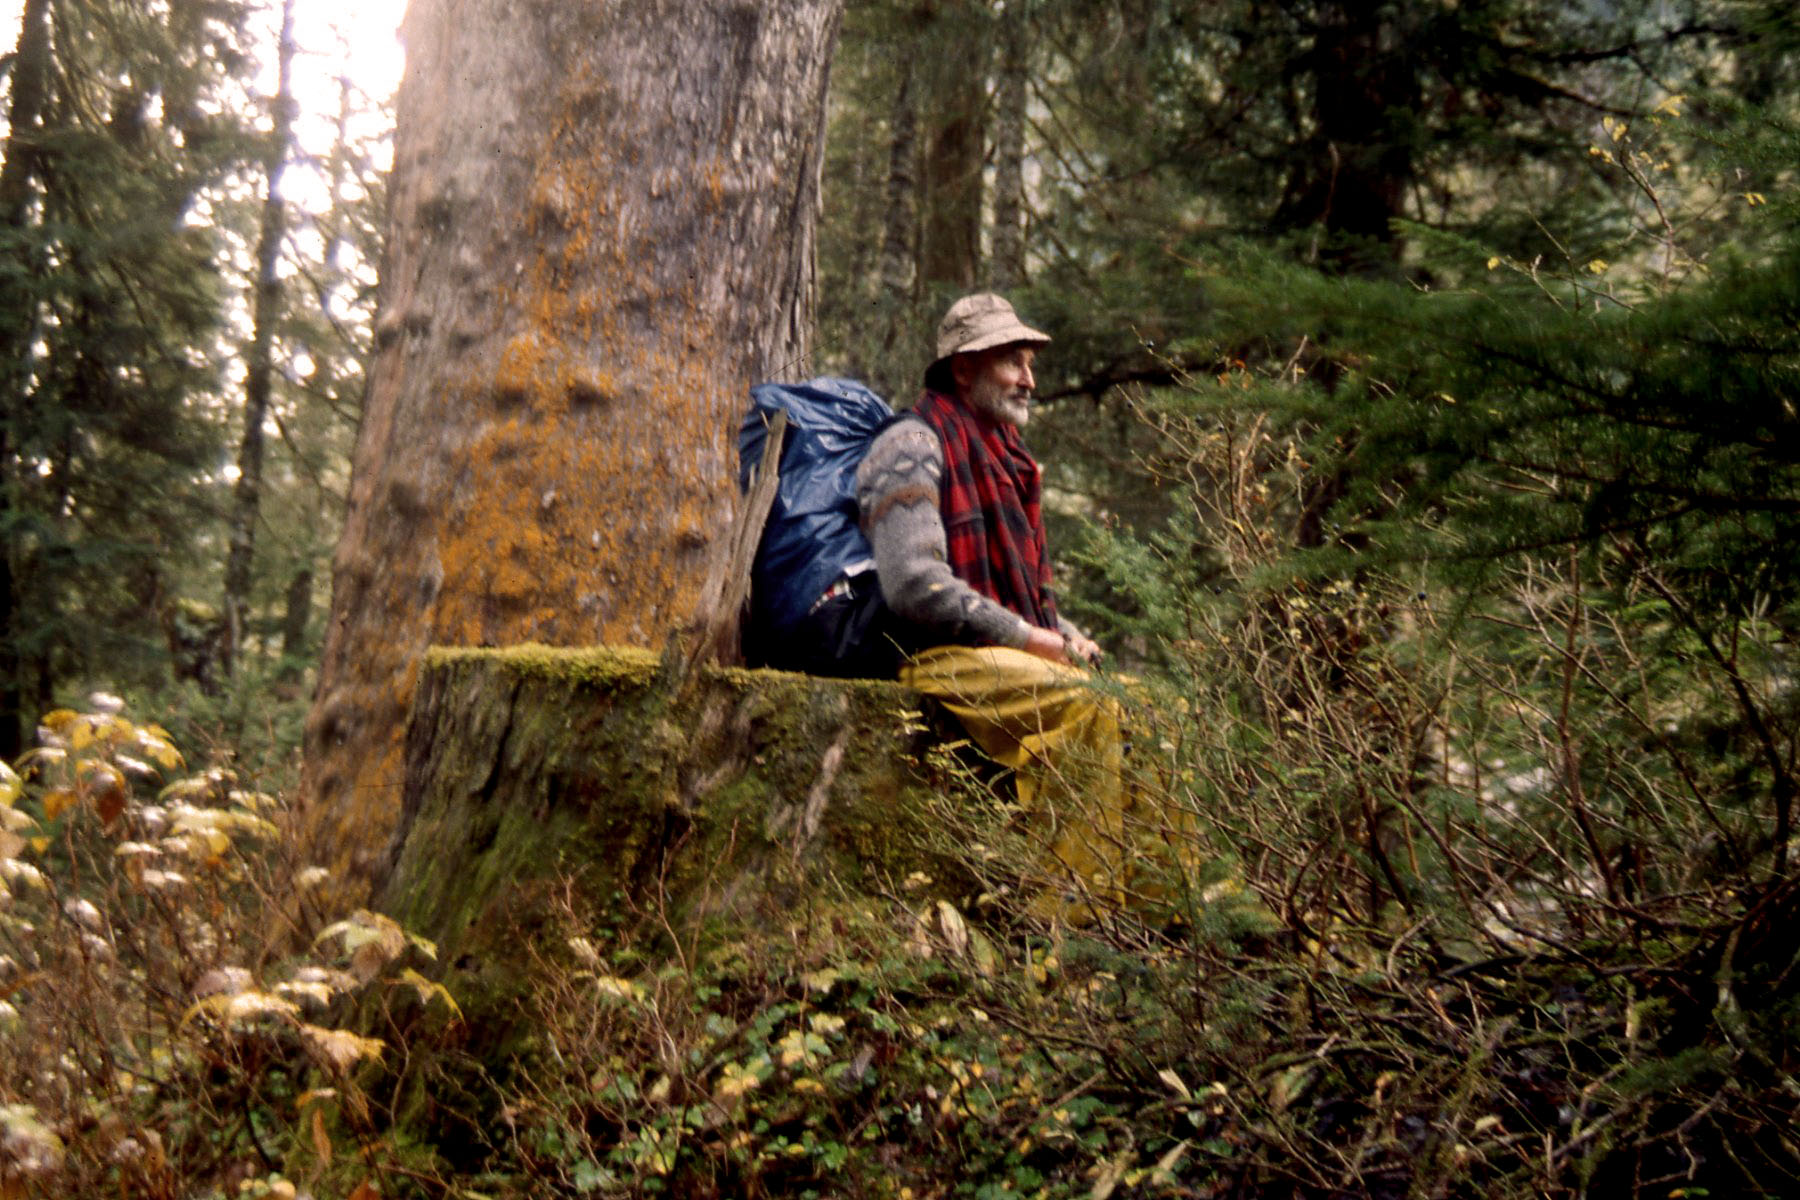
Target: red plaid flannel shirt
[991, 501]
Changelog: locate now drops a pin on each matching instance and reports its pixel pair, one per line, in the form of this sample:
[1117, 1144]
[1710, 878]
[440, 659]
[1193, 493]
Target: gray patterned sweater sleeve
[897, 493]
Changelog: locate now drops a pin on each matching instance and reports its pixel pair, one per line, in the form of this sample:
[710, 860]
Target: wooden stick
[722, 600]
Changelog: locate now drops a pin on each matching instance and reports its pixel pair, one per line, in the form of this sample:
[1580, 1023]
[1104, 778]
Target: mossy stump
[546, 788]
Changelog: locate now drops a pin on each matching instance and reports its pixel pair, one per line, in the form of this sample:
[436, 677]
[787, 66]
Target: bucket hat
[981, 322]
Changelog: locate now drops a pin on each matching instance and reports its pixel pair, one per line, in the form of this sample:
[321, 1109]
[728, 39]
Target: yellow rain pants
[1062, 738]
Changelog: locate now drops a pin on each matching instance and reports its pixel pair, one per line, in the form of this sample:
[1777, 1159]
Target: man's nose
[1025, 379]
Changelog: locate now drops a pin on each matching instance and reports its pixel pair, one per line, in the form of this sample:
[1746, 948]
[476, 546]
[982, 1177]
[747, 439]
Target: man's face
[997, 383]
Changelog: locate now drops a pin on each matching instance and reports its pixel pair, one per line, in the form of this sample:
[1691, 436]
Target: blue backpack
[813, 533]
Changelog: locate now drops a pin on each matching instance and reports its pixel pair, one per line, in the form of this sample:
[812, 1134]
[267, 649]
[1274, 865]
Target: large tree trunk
[600, 233]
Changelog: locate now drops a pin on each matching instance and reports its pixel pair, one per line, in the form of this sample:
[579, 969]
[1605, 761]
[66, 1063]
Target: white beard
[999, 405]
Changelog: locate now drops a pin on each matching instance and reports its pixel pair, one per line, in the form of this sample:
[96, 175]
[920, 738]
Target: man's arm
[897, 493]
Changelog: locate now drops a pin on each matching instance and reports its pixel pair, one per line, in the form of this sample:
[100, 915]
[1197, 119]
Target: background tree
[112, 306]
[600, 234]
[259, 370]
[307, 288]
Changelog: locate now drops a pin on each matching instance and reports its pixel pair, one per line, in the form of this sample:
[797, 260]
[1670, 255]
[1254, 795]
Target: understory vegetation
[175, 1011]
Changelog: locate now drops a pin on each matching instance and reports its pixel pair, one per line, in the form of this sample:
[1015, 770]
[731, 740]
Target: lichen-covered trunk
[600, 232]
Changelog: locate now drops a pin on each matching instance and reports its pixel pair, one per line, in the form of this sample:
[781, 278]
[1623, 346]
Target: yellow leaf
[821, 981]
[13, 871]
[55, 719]
[10, 786]
[952, 926]
[230, 1008]
[1493, 262]
[58, 801]
[734, 1081]
[983, 954]
[612, 985]
[363, 928]
[161, 749]
[320, 1139]
[792, 1049]
[318, 992]
[191, 788]
[42, 756]
[427, 990]
[339, 1048]
[254, 801]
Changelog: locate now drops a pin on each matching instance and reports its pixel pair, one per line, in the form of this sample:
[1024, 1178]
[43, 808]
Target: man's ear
[962, 370]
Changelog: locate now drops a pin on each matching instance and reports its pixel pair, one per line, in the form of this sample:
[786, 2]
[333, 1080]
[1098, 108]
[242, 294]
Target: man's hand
[1085, 650]
[1070, 651]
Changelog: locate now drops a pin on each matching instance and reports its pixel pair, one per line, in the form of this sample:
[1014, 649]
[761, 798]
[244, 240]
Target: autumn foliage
[160, 1036]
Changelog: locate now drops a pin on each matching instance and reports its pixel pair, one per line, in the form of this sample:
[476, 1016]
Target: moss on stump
[544, 784]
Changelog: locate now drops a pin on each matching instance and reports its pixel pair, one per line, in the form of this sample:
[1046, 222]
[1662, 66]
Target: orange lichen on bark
[576, 311]
[588, 507]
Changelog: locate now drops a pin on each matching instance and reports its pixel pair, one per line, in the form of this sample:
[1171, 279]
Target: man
[950, 498]
[950, 501]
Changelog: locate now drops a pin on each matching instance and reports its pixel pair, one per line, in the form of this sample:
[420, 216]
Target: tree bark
[1361, 155]
[954, 109]
[899, 222]
[1006, 267]
[295, 614]
[246, 498]
[600, 233]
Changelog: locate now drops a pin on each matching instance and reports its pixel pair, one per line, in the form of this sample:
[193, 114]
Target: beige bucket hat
[981, 322]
